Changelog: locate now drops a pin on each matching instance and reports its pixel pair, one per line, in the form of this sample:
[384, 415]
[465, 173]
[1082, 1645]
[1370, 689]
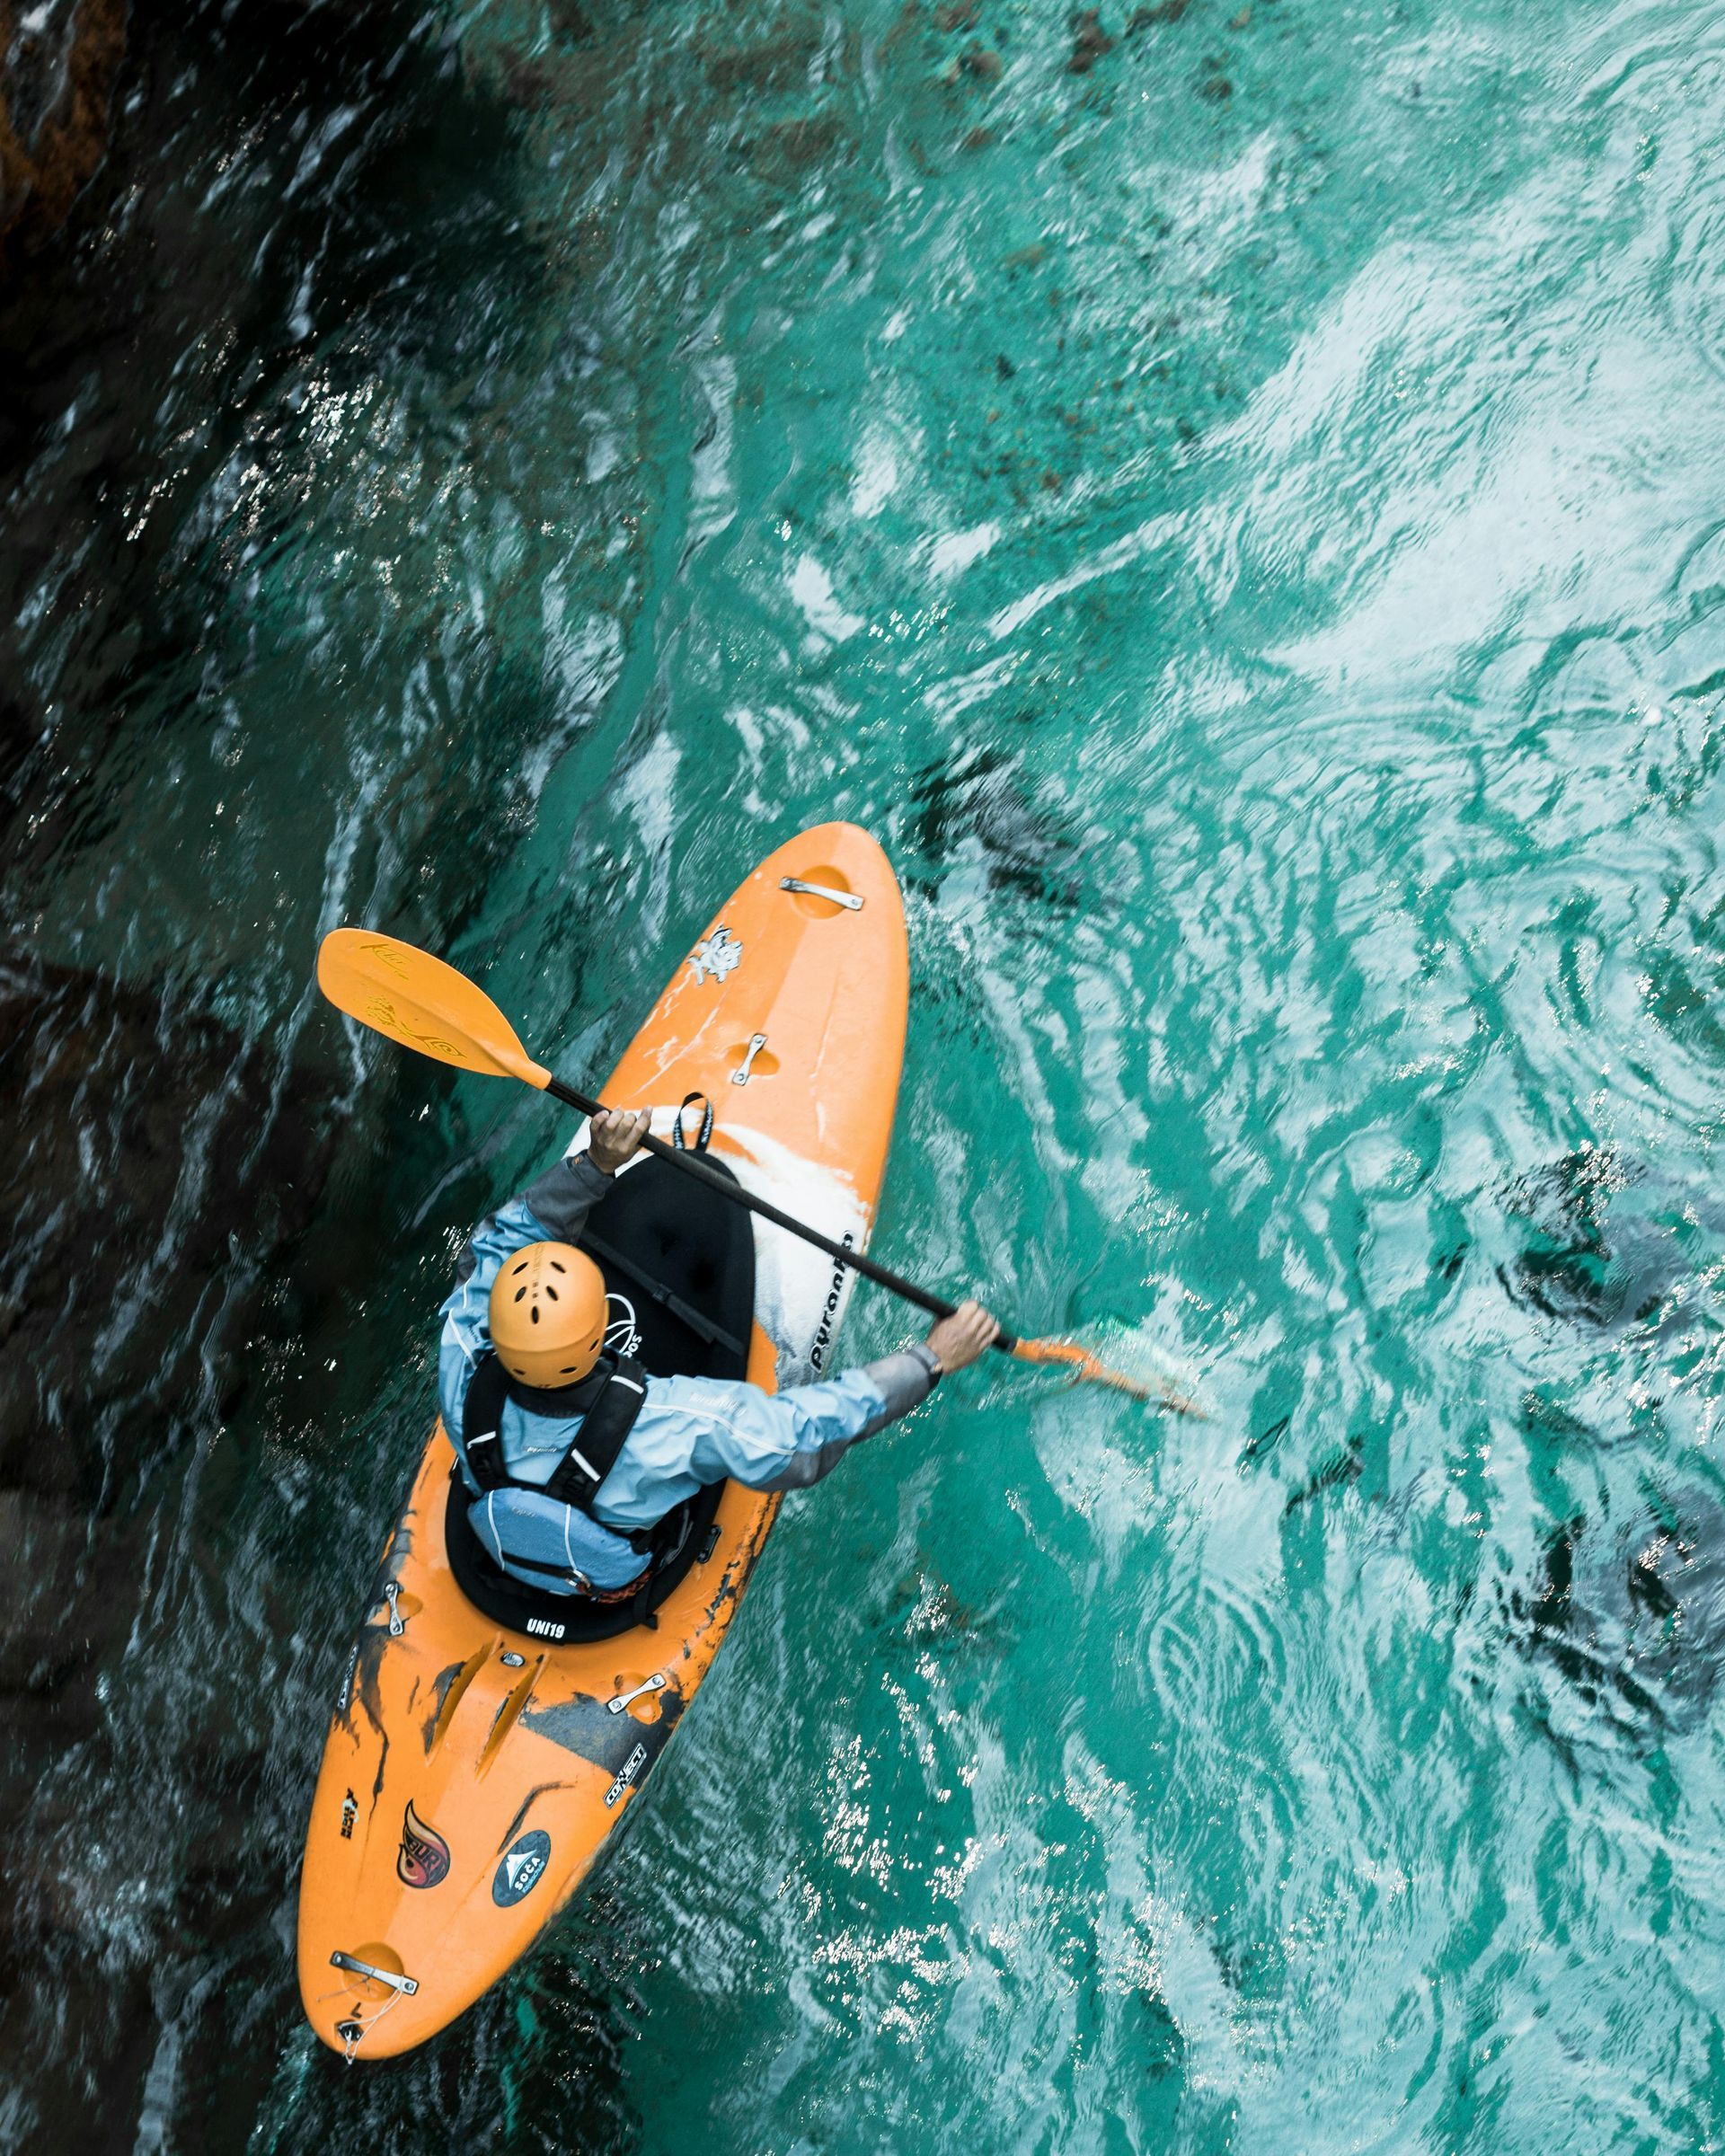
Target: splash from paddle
[1088, 1368]
[421, 1003]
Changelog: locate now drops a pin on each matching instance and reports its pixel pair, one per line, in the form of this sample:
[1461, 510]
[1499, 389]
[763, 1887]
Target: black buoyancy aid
[608, 1400]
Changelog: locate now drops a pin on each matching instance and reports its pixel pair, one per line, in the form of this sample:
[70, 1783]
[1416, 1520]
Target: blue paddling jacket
[690, 1431]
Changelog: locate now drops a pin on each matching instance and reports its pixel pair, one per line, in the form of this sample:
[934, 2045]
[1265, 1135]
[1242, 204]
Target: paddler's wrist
[958, 1338]
[930, 1361]
[589, 1178]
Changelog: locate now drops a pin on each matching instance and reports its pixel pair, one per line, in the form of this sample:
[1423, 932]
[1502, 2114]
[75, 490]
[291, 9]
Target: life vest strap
[608, 1403]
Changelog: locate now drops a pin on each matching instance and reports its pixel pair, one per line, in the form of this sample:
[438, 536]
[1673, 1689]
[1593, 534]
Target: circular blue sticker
[519, 1874]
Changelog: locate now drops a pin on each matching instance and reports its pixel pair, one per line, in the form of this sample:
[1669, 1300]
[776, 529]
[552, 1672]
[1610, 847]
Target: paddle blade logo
[424, 1858]
[386, 954]
[519, 1872]
[388, 1019]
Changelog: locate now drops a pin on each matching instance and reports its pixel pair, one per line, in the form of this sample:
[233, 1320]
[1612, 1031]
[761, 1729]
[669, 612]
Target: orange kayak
[473, 1771]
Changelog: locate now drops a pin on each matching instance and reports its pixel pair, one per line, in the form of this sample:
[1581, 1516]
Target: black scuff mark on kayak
[344, 1705]
[729, 1590]
[375, 1636]
[374, 1642]
[735, 1577]
[362, 1689]
[539, 1790]
[585, 1727]
[399, 1548]
[377, 1786]
[445, 1679]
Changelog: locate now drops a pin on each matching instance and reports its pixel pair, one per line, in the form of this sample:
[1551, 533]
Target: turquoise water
[1240, 519]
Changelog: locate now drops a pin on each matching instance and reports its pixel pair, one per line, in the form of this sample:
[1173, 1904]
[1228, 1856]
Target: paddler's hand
[614, 1135]
[959, 1339]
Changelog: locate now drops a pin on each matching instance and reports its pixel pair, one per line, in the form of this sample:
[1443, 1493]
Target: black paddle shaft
[691, 1164]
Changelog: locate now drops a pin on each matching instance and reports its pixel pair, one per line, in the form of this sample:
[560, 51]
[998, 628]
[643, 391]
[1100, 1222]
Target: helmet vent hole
[535, 1316]
[551, 1291]
[519, 1293]
[557, 1266]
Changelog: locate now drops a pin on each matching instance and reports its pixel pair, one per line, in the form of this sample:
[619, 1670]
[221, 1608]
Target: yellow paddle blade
[417, 1000]
[1090, 1369]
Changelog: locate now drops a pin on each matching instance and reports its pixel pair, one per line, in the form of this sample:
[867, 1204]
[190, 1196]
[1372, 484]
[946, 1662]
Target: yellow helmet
[548, 1314]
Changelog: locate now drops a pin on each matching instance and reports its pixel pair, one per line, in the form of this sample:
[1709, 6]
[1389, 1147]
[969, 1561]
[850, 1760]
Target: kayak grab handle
[356, 1967]
[849, 900]
[741, 1075]
[656, 1682]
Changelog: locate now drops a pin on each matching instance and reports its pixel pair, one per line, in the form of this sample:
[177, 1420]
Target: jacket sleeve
[776, 1440]
[554, 1209]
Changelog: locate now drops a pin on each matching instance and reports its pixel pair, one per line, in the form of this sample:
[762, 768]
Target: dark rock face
[128, 1126]
[58, 65]
[151, 1180]
[153, 1164]
[174, 1296]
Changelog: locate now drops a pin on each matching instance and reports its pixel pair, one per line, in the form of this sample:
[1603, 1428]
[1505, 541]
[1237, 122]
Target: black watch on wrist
[930, 1361]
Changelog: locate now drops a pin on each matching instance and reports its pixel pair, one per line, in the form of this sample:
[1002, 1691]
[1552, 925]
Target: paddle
[422, 1004]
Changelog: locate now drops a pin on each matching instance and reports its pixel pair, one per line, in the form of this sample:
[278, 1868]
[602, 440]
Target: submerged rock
[1090, 40]
[979, 808]
[1611, 1243]
[1633, 1617]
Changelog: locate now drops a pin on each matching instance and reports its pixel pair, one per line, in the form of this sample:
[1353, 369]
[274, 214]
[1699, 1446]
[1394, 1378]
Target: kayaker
[573, 1460]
